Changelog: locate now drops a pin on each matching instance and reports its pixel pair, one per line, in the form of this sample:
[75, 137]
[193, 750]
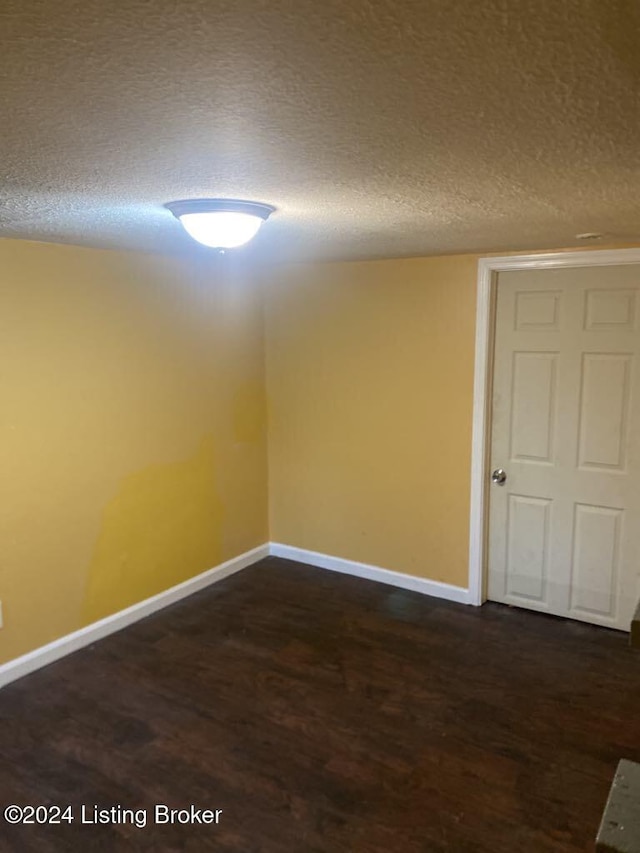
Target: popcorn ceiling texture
[377, 127]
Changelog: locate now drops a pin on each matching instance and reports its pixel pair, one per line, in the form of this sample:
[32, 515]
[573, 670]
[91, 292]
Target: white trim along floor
[17, 668]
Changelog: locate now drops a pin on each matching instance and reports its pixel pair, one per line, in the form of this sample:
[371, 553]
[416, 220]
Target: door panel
[563, 529]
[537, 310]
[528, 547]
[596, 549]
[610, 310]
[604, 410]
[533, 406]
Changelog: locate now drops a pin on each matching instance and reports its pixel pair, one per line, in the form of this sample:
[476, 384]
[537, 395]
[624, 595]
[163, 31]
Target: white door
[564, 528]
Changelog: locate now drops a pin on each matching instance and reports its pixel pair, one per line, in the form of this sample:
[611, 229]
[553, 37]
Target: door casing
[488, 269]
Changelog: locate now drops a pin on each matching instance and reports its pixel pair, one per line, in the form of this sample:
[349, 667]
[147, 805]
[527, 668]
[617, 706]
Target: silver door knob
[499, 477]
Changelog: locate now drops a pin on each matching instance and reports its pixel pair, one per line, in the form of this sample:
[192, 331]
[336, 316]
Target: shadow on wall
[163, 527]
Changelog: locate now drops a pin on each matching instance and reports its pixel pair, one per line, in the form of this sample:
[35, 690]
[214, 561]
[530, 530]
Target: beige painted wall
[132, 431]
[370, 385]
[133, 449]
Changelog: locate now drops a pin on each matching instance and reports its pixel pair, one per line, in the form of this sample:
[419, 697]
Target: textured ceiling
[377, 127]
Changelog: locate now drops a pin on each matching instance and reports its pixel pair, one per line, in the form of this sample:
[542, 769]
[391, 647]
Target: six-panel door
[565, 526]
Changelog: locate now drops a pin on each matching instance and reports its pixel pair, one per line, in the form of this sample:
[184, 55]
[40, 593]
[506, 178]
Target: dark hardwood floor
[321, 712]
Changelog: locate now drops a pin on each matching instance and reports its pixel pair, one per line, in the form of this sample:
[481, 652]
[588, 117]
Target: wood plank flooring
[324, 713]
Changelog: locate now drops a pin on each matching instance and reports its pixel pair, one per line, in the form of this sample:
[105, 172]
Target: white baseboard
[373, 573]
[38, 658]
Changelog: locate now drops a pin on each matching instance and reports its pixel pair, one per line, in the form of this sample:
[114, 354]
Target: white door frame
[488, 269]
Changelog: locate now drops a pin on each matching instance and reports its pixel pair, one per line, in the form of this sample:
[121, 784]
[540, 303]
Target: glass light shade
[221, 229]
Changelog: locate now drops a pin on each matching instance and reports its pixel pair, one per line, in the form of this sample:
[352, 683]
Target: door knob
[499, 477]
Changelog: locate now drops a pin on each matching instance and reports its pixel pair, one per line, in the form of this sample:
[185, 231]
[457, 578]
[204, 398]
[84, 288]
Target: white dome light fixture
[220, 223]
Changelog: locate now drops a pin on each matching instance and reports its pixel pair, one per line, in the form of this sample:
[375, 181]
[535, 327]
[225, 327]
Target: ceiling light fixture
[220, 223]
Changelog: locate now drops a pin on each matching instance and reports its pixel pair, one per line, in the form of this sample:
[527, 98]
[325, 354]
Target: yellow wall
[132, 439]
[132, 422]
[370, 385]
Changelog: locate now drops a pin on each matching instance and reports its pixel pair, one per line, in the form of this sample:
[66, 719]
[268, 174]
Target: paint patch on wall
[163, 527]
